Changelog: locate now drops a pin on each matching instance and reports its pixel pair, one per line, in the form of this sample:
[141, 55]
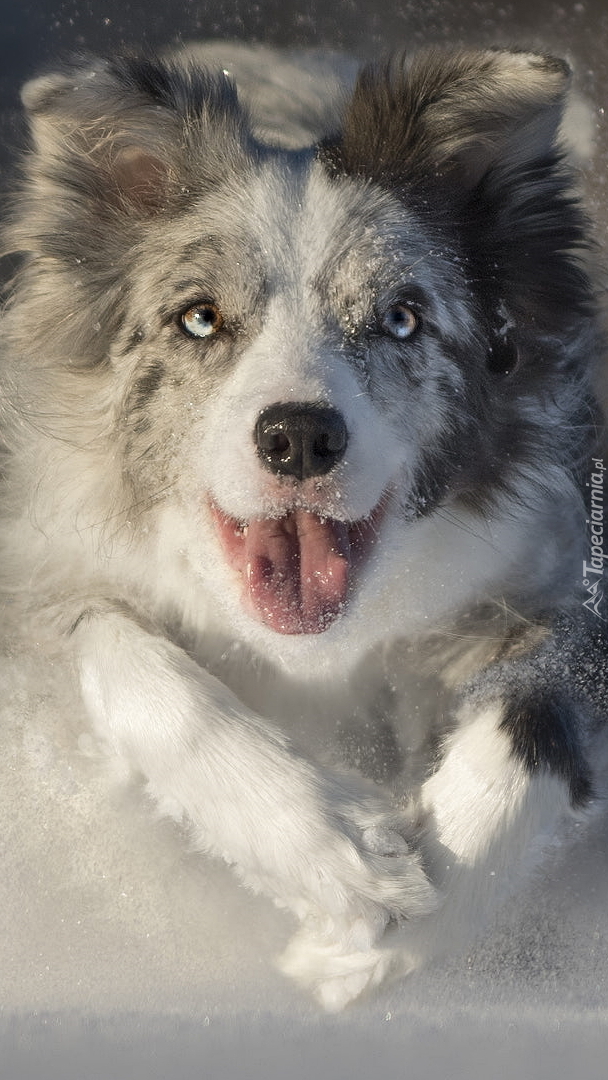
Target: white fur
[491, 825]
[317, 843]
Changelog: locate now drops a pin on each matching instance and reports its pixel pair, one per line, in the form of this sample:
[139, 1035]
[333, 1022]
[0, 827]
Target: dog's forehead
[288, 218]
[285, 227]
[326, 226]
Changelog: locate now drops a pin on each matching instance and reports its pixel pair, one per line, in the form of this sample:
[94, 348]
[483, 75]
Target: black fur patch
[542, 727]
[189, 91]
[523, 231]
[145, 387]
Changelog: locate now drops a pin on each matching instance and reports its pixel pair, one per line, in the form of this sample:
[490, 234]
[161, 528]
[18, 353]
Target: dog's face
[301, 353]
[307, 354]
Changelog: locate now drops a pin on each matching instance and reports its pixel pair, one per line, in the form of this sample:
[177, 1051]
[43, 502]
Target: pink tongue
[297, 571]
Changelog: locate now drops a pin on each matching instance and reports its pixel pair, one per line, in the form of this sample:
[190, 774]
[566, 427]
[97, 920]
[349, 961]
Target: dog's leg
[313, 841]
[511, 776]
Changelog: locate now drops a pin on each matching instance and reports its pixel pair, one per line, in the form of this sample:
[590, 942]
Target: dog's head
[292, 359]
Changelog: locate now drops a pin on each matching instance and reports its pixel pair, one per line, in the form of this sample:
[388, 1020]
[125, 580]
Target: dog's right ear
[121, 132]
[116, 145]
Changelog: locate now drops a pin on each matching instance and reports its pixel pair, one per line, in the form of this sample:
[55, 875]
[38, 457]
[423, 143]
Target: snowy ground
[124, 955]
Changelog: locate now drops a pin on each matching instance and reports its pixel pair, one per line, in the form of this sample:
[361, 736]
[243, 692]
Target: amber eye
[201, 320]
[400, 321]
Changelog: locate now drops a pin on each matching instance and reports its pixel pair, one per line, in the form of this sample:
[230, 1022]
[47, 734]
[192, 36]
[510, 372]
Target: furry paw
[377, 863]
[335, 978]
[338, 953]
[336, 969]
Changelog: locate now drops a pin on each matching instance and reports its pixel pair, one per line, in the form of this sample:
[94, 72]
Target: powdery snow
[122, 953]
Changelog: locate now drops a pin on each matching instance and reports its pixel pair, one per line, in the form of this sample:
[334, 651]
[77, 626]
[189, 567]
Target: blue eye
[400, 321]
[201, 320]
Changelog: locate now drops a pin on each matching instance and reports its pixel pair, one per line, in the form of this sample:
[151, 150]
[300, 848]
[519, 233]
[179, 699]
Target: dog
[303, 476]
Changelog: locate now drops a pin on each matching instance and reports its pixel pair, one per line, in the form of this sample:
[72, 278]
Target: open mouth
[297, 570]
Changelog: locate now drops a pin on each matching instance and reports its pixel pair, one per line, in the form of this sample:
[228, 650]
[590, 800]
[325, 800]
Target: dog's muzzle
[297, 568]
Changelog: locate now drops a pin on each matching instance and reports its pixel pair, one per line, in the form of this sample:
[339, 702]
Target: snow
[123, 953]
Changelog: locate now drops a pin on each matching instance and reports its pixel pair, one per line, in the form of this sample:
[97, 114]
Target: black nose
[301, 440]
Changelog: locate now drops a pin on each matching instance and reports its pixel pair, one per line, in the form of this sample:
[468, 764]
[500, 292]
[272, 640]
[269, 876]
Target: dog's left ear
[450, 116]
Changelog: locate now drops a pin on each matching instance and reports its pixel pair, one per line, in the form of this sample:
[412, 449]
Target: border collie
[299, 414]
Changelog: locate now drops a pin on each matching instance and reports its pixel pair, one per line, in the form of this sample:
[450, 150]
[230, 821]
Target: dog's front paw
[382, 872]
[339, 959]
[335, 977]
[365, 881]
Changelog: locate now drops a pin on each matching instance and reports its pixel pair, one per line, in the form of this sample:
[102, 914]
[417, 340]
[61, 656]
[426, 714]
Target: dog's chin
[297, 572]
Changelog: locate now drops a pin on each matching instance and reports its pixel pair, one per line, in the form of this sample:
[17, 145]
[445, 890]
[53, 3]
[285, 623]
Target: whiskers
[121, 524]
[466, 526]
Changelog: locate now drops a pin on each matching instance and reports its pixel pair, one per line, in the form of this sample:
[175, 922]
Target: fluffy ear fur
[451, 115]
[472, 139]
[131, 124]
[116, 144]
[117, 136]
